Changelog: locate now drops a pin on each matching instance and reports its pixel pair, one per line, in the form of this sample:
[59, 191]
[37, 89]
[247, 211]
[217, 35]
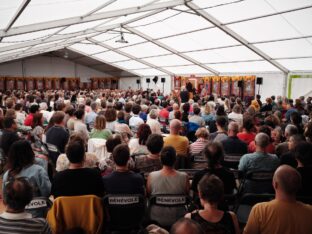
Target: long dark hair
[20, 156]
[214, 154]
[144, 131]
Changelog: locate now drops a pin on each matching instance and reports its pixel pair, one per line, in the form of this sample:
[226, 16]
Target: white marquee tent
[165, 37]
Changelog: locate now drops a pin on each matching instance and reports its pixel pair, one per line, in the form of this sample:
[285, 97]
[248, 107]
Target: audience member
[284, 214]
[232, 145]
[210, 218]
[122, 180]
[77, 180]
[17, 195]
[99, 129]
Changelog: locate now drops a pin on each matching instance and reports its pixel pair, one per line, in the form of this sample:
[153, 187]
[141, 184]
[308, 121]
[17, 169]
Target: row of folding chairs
[113, 213]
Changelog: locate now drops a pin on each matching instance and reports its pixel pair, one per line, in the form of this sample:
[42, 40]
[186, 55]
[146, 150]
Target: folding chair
[231, 160]
[171, 205]
[199, 161]
[246, 202]
[98, 147]
[257, 182]
[85, 212]
[190, 172]
[53, 152]
[124, 212]
[164, 124]
[39, 207]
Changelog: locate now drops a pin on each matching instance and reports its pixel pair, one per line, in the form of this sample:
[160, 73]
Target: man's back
[77, 182]
[280, 217]
[58, 136]
[22, 223]
[179, 143]
[123, 183]
[258, 161]
[233, 145]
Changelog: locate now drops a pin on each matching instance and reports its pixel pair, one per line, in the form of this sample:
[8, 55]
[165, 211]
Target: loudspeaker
[63, 79]
[114, 81]
[163, 80]
[155, 79]
[259, 80]
[148, 80]
[138, 81]
[240, 84]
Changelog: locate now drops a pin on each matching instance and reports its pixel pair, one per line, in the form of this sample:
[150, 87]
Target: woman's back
[224, 226]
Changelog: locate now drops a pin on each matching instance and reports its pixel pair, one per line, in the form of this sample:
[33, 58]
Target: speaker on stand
[148, 81]
[259, 82]
[163, 80]
[138, 81]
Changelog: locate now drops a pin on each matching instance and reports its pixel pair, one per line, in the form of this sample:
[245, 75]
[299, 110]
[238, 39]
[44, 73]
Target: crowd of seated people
[190, 157]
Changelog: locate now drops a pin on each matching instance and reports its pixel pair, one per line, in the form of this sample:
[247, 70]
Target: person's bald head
[175, 106]
[287, 180]
[262, 140]
[175, 126]
[185, 226]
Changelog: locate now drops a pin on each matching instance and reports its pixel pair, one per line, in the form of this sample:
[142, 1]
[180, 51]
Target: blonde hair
[202, 132]
[207, 109]
[100, 122]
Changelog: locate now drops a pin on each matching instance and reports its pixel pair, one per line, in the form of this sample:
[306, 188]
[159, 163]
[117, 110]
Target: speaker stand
[259, 89]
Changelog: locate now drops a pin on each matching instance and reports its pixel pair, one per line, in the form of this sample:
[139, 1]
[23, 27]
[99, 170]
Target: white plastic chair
[98, 147]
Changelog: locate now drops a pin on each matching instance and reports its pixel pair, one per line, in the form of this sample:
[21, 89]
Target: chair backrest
[231, 160]
[261, 176]
[246, 202]
[169, 200]
[98, 147]
[70, 212]
[53, 152]
[124, 211]
[39, 206]
[190, 172]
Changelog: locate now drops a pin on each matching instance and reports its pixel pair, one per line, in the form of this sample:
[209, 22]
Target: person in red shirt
[30, 117]
[164, 114]
[247, 135]
[270, 148]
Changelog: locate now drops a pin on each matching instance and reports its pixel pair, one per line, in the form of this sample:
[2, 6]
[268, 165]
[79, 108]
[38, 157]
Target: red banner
[216, 85]
[249, 86]
[20, 84]
[10, 84]
[225, 86]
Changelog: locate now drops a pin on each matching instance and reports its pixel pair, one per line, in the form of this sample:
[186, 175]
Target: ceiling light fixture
[122, 39]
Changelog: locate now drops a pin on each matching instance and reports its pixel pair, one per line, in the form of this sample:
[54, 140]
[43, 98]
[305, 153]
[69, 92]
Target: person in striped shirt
[202, 140]
[17, 194]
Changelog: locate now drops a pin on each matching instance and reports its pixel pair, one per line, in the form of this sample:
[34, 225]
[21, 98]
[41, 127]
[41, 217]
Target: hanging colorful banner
[20, 84]
[249, 86]
[57, 83]
[216, 85]
[10, 83]
[177, 82]
[39, 84]
[225, 86]
[2, 83]
[207, 86]
[235, 90]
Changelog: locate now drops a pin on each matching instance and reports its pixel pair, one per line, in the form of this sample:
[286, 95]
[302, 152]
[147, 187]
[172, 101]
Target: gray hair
[153, 114]
[237, 109]
[262, 140]
[290, 130]
[234, 127]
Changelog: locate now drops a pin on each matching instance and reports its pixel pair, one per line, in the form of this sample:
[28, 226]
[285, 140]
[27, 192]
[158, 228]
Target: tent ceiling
[164, 36]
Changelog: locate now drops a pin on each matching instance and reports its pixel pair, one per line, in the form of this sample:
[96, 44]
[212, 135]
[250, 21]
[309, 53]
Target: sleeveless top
[224, 226]
[161, 184]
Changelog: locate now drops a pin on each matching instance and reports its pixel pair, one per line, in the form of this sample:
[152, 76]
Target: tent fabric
[173, 37]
